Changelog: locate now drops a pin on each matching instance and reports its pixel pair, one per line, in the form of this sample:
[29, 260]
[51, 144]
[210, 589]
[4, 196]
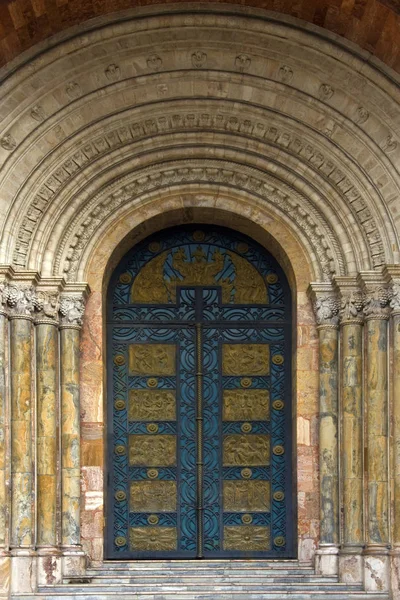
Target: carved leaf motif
[242, 62]
[199, 59]
[8, 142]
[73, 90]
[72, 309]
[113, 72]
[154, 62]
[285, 74]
[38, 113]
[325, 91]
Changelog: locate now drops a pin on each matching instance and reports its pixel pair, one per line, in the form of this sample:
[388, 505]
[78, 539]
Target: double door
[200, 450]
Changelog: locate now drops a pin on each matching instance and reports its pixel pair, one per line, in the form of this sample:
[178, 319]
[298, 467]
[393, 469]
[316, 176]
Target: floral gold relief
[153, 538]
[250, 449]
[246, 405]
[152, 450]
[153, 496]
[202, 265]
[152, 405]
[250, 495]
[247, 538]
[245, 359]
[152, 359]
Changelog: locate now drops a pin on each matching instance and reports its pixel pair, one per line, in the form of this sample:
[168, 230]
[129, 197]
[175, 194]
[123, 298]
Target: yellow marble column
[21, 299]
[47, 381]
[376, 559]
[326, 311]
[395, 469]
[4, 496]
[351, 322]
[72, 308]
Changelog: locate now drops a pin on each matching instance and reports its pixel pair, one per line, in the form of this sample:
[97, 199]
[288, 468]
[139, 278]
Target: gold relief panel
[153, 538]
[247, 538]
[250, 449]
[246, 405]
[245, 359]
[250, 495]
[153, 496]
[152, 405]
[152, 359]
[152, 450]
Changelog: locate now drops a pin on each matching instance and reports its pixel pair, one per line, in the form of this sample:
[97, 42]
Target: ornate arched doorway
[199, 400]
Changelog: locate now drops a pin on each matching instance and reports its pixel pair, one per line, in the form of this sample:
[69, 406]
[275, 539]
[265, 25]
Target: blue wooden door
[199, 419]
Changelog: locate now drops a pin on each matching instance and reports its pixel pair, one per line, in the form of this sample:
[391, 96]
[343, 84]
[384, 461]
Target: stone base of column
[395, 573]
[74, 561]
[351, 564]
[376, 569]
[49, 566]
[327, 560]
[5, 573]
[23, 571]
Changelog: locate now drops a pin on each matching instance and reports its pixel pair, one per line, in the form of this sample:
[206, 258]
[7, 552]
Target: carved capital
[376, 303]
[395, 296]
[72, 309]
[47, 307]
[4, 287]
[325, 304]
[21, 300]
[351, 300]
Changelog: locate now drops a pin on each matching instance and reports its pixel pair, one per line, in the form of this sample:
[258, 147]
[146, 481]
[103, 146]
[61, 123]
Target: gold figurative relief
[153, 496]
[250, 495]
[157, 281]
[245, 359]
[247, 538]
[152, 405]
[152, 359]
[250, 449]
[245, 405]
[152, 450]
[153, 538]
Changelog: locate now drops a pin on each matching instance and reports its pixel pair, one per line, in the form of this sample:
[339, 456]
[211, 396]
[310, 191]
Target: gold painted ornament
[278, 405]
[278, 450]
[278, 359]
[125, 278]
[120, 495]
[120, 541]
[119, 359]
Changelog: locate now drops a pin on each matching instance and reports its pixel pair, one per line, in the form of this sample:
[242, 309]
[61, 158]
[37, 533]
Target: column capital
[48, 301]
[391, 274]
[325, 302]
[351, 300]
[375, 295]
[72, 305]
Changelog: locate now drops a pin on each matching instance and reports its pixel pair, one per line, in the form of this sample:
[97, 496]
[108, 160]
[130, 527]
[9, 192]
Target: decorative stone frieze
[72, 309]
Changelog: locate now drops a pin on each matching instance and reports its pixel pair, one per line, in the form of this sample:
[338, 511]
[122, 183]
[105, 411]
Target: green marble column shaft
[47, 384]
[328, 432]
[352, 439]
[377, 432]
[396, 427]
[21, 433]
[70, 435]
[3, 488]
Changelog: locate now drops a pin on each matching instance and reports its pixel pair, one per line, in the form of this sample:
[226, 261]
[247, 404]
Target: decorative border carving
[197, 121]
[293, 205]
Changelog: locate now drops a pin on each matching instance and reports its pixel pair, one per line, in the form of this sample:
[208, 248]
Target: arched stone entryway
[245, 135]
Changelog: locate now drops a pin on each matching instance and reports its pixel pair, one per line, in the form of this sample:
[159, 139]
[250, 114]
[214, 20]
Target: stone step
[232, 595]
[203, 579]
[197, 573]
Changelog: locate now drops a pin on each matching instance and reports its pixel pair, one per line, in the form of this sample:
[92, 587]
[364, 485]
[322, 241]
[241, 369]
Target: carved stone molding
[72, 309]
[295, 207]
[326, 305]
[47, 306]
[351, 300]
[21, 300]
[376, 296]
[197, 121]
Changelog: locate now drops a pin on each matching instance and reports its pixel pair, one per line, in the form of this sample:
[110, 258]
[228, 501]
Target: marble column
[4, 495]
[351, 322]
[21, 299]
[376, 555]
[395, 553]
[47, 381]
[72, 308]
[326, 311]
